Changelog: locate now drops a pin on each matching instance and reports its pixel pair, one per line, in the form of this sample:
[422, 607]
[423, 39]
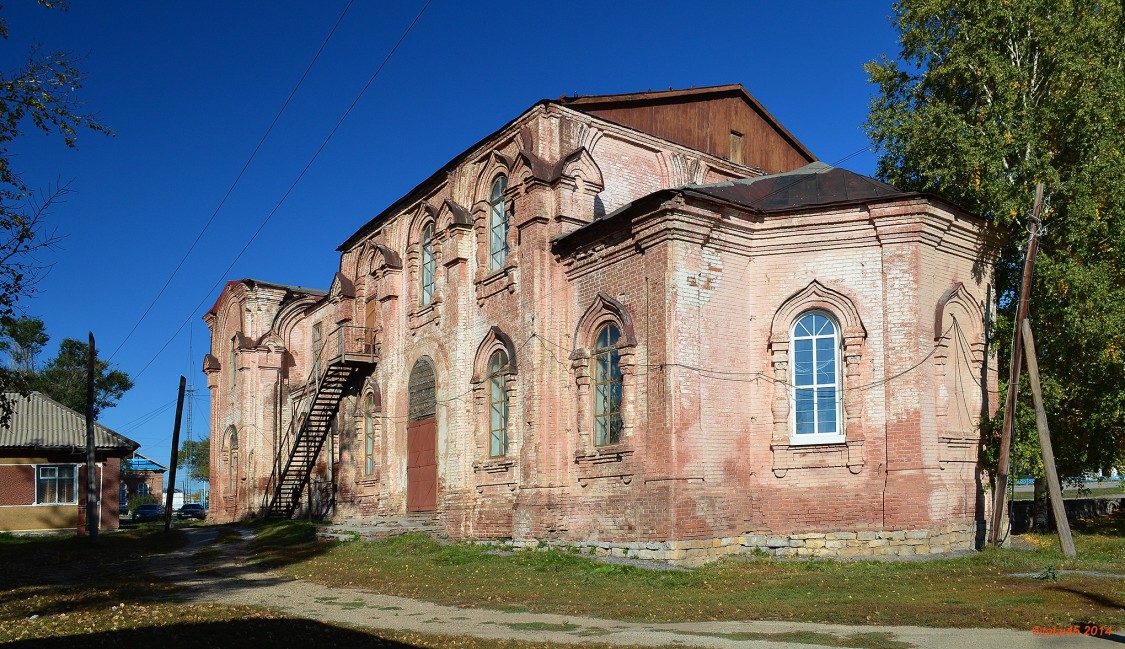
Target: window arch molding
[494, 390]
[230, 438]
[495, 339]
[371, 403]
[603, 311]
[960, 402]
[851, 333]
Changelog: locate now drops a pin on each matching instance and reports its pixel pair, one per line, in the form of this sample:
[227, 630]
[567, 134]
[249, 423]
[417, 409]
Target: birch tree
[985, 99]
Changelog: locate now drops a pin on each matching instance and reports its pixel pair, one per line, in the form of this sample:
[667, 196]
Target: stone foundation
[827, 545]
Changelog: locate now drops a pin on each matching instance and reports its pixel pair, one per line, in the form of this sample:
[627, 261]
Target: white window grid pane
[816, 376]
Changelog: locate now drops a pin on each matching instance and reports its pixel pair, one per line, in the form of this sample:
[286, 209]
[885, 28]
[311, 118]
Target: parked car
[191, 510]
[148, 513]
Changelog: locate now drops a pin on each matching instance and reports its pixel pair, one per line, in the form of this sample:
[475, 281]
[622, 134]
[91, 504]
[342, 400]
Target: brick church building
[650, 324]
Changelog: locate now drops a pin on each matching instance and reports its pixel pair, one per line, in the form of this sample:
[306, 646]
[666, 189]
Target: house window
[429, 264]
[143, 489]
[816, 379]
[56, 484]
[497, 403]
[607, 386]
[369, 436]
[497, 224]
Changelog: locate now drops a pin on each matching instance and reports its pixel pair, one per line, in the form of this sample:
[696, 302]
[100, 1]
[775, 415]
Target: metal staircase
[347, 354]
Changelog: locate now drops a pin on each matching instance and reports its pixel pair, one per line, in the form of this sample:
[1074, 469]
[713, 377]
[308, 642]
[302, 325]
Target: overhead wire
[292, 186]
[237, 179]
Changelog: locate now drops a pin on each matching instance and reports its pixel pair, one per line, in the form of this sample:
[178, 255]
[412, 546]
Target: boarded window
[423, 390]
[735, 147]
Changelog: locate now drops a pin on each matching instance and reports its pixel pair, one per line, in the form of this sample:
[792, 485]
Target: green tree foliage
[41, 95]
[63, 379]
[987, 98]
[195, 456]
[22, 339]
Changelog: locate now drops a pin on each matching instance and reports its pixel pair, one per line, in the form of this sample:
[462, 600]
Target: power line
[292, 186]
[234, 184]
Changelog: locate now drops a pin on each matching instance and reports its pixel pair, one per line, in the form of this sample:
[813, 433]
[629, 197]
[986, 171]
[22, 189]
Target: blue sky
[190, 88]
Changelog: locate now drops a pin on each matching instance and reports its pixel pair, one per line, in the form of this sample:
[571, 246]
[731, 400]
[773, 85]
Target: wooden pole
[1053, 487]
[175, 456]
[1007, 430]
[92, 518]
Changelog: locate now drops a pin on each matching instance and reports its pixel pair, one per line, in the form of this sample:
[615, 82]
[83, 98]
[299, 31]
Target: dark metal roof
[812, 185]
[39, 422]
[816, 185]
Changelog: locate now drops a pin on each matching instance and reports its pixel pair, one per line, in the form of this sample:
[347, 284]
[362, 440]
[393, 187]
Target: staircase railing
[342, 343]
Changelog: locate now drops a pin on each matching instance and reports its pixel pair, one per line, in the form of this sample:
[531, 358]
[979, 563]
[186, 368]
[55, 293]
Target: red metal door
[421, 465]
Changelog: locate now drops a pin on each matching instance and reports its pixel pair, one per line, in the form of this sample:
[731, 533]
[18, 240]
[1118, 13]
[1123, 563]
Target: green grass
[1109, 489]
[58, 592]
[856, 640]
[978, 590]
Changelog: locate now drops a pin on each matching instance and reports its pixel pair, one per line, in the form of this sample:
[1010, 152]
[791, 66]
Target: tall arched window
[232, 361]
[369, 436]
[429, 264]
[497, 224]
[816, 379]
[497, 403]
[233, 438]
[607, 386]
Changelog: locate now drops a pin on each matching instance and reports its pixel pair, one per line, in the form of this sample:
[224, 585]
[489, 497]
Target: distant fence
[1020, 512]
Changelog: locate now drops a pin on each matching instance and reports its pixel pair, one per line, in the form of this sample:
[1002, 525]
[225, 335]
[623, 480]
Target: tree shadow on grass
[1100, 600]
[62, 575]
[235, 633]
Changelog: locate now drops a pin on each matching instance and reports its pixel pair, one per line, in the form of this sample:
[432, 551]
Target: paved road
[231, 580]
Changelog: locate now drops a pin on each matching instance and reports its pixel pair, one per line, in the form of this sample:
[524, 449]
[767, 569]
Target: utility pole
[1053, 487]
[1008, 429]
[175, 457]
[92, 518]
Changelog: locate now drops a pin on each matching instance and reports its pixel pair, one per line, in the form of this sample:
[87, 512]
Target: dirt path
[229, 579]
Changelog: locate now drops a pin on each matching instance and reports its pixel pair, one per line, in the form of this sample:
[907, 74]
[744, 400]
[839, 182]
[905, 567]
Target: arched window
[607, 386]
[233, 438]
[497, 224]
[497, 403]
[233, 363]
[429, 264]
[369, 436]
[816, 379]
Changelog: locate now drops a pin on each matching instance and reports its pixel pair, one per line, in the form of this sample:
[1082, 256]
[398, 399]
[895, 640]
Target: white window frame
[838, 436]
[38, 477]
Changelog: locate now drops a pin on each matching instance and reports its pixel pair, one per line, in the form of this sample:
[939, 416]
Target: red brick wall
[17, 484]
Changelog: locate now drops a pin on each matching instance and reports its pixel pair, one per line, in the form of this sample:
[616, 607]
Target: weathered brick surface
[706, 460]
